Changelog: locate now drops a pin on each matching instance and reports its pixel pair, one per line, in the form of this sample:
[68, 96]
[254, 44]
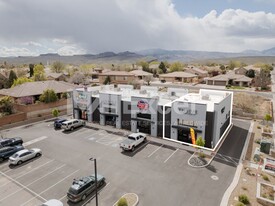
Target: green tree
[267, 67]
[200, 142]
[222, 67]
[250, 73]
[31, 66]
[232, 65]
[162, 67]
[122, 202]
[263, 79]
[39, 72]
[107, 80]
[48, 96]
[6, 105]
[58, 67]
[144, 65]
[55, 112]
[268, 118]
[21, 80]
[176, 66]
[12, 77]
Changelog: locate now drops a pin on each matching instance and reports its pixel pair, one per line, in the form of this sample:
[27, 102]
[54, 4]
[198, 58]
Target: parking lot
[158, 173]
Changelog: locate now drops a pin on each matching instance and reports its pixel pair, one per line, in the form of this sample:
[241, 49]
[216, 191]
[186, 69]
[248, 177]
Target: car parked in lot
[4, 142]
[84, 186]
[24, 155]
[6, 152]
[58, 123]
[52, 202]
[133, 141]
[72, 124]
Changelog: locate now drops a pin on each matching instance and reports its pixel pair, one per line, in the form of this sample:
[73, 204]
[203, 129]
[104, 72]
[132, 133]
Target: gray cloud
[117, 25]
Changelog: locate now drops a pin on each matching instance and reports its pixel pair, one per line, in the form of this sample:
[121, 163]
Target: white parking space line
[34, 169]
[50, 187]
[26, 172]
[94, 194]
[141, 147]
[34, 141]
[26, 188]
[171, 155]
[155, 150]
[32, 182]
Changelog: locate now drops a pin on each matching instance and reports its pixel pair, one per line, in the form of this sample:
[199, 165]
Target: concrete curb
[228, 192]
[137, 199]
[234, 183]
[208, 163]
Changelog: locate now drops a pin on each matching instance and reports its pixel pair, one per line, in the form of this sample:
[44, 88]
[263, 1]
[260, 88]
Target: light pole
[96, 199]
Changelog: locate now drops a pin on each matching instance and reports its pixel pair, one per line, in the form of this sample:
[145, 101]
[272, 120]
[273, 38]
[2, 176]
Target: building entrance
[110, 120]
[144, 126]
[184, 135]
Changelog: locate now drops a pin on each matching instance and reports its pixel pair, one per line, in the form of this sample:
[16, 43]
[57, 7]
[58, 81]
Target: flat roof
[208, 97]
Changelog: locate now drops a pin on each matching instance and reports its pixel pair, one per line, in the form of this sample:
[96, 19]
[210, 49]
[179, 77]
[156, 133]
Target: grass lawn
[235, 87]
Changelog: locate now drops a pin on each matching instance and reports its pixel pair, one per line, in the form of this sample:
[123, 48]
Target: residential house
[241, 71]
[30, 91]
[56, 76]
[229, 79]
[141, 75]
[116, 77]
[197, 71]
[175, 77]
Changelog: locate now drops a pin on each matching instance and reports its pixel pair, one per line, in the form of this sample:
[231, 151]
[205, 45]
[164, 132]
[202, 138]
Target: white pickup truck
[132, 141]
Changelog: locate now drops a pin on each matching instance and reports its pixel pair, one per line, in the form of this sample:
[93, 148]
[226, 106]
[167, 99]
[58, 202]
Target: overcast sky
[32, 27]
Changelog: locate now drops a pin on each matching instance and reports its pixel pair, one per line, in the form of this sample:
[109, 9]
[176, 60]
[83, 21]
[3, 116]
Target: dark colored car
[57, 123]
[4, 142]
[6, 152]
[84, 186]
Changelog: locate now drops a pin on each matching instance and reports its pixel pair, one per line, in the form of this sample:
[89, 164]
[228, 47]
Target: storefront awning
[109, 114]
[187, 128]
[142, 119]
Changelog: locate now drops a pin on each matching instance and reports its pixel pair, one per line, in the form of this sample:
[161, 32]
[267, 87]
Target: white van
[72, 124]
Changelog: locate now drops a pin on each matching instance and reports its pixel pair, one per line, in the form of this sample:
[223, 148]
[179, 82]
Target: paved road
[159, 174]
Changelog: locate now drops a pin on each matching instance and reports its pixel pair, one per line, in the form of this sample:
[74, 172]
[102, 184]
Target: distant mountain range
[146, 55]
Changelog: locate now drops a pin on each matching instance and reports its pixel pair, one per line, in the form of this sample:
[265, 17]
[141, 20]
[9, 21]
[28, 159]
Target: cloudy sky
[32, 27]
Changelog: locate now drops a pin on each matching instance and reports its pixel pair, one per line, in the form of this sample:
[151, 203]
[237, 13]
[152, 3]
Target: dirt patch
[252, 172]
[252, 104]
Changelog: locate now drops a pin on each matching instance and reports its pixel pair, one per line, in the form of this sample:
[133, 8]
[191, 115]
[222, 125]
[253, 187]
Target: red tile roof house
[25, 95]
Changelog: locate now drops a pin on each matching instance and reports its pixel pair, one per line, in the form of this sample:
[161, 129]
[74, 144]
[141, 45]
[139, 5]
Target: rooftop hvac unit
[173, 93]
[142, 92]
[205, 97]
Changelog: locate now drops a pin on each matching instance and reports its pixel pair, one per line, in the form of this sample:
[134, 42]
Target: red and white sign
[142, 105]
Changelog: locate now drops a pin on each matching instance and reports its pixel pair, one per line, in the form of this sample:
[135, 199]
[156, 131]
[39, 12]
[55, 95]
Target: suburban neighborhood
[139, 103]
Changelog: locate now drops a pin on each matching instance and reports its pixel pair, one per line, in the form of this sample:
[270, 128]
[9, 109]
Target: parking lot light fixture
[96, 198]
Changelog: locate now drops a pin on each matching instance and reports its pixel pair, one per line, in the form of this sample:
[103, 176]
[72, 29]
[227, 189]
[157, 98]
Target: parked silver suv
[72, 124]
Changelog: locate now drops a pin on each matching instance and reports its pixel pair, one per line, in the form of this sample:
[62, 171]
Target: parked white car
[72, 124]
[24, 155]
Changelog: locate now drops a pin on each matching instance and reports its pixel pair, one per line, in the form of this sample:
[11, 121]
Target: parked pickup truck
[132, 141]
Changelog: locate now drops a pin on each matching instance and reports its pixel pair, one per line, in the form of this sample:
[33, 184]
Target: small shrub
[201, 155]
[258, 141]
[122, 202]
[264, 195]
[239, 204]
[244, 199]
[39, 115]
[265, 177]
[244, 188]
[258, 127]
